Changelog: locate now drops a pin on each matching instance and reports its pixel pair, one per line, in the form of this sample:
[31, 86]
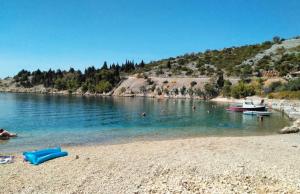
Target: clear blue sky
[62, 33]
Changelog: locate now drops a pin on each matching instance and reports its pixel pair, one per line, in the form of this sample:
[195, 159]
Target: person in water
[4, 135]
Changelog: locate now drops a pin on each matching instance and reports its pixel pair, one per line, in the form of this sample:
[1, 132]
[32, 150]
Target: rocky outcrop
[295, 128]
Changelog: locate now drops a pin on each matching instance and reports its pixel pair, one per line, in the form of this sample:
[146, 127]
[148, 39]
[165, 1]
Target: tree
[143, 89]
[210, 90]
[175, 90]
[277, 39]
[193, 83]
[242, 90]
[60, 84]
[158, 90]
[183, 90]
[227, 88]
[142, 64]
[191, 92]
[104, 66]
[166, 91]
[103, 86]
[72, 85]
[123, 90]
[199, 92]
[37, 77]
[220, 80]
[85, 87]
[293, 85]
[169, 65]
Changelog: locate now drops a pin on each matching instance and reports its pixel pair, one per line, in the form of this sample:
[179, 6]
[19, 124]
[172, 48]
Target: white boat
[258, 113]
[248, 106]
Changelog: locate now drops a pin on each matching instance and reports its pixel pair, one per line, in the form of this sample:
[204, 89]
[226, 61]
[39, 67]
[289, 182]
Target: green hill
[251, 64]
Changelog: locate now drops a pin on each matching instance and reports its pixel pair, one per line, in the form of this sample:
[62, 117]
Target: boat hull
[258, 113]
[241, 109]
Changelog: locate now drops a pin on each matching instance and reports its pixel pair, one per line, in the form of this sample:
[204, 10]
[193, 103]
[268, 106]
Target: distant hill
[235, 71]
[249, 60]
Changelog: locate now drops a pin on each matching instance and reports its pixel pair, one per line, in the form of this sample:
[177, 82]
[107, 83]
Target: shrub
[257, 85]
[227, 88]
[190, 91]
[189, 72]
[193, 83]
[139, 75]
[166, 91]
[153, 87]
[143, 89]
[199, 92]
[210, 90]
[103, 86]
[274, 86]
[123, 90]
[277, 39]
[84, 87]
[169, 65]
[242, 90]
[149, 81]
[159, 71]
[285, 95]
[158, 90]
[176, 91]
[293, 85]
[72, 85]
[60, 84]
[183, 90]
[220, 80]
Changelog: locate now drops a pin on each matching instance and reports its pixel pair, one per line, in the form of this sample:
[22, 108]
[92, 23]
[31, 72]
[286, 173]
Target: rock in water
[291, 129]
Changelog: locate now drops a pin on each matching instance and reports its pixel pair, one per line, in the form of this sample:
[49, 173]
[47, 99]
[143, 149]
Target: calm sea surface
[45, 121]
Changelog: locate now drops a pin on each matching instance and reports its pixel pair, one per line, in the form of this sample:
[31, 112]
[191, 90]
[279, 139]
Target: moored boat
[247, 106]
[258, 113]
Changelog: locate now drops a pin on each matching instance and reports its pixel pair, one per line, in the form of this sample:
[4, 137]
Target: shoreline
[290, 107]
[236, 164]
[141, 140]
[280, 108]
[210, 164]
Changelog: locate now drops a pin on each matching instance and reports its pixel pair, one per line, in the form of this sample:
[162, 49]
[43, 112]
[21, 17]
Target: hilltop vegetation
[92, 80]
[234, 61]
[251, 64]
[208, 63]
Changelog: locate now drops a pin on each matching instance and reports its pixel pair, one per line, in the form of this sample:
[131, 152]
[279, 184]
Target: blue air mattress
[40, 156]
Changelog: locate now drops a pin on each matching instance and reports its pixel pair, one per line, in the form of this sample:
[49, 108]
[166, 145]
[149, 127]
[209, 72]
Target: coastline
[202, 164]
[235, 164]
[290, 107]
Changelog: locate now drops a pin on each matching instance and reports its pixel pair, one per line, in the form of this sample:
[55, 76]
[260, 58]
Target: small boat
[258, 113]
[236, 108]
[247, 106]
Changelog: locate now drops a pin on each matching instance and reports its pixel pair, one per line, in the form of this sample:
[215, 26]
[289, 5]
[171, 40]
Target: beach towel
[6, 159]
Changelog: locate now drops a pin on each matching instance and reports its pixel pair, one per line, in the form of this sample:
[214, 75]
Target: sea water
[47, 121]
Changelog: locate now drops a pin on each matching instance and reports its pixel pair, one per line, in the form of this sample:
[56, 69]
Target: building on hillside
[270, 73]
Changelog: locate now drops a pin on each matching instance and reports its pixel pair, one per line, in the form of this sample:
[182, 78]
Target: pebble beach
[252, 164]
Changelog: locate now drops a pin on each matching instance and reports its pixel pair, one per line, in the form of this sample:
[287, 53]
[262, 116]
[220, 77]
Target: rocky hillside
[187, 75]
[249, 60]
[203, 74]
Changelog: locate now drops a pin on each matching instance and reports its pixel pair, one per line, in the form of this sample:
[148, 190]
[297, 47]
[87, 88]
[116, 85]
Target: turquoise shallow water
[45, 121]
